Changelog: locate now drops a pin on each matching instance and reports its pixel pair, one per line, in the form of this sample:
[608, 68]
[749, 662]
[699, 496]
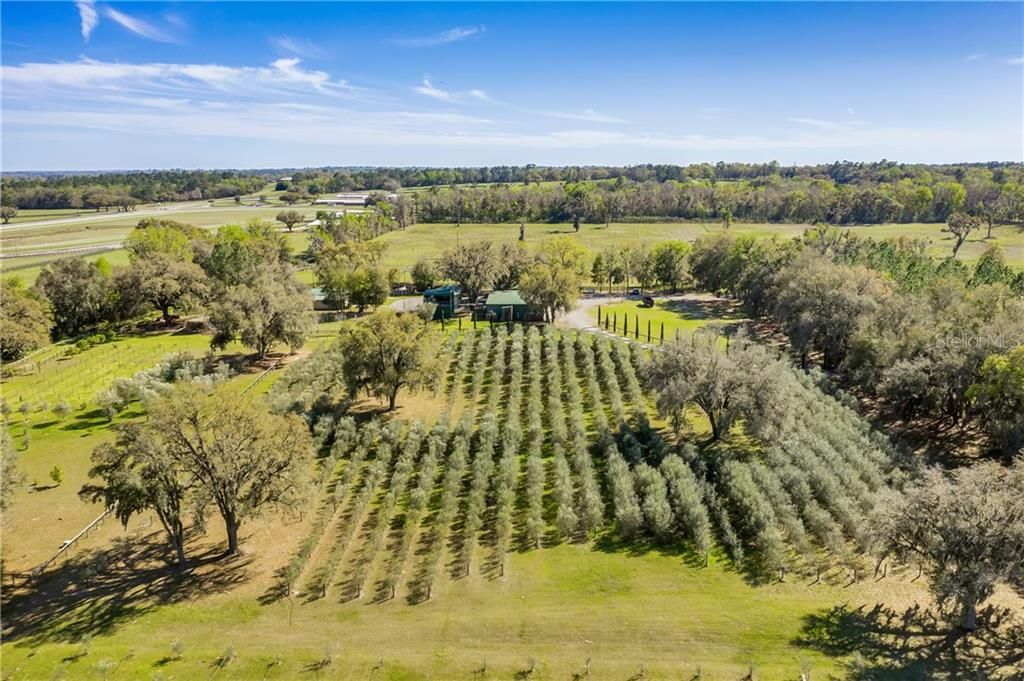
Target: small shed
[509, 306]
[445, 297]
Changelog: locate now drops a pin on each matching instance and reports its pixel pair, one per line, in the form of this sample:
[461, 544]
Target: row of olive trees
[375, 482]
[511, 440]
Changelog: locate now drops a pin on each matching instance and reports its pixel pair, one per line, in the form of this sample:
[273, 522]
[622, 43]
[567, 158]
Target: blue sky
[107, 85]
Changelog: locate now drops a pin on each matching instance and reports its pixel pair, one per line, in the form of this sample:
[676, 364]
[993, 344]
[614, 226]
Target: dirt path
[579, 316]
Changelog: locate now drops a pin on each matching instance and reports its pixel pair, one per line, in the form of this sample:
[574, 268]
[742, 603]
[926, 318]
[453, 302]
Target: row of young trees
[805, 499]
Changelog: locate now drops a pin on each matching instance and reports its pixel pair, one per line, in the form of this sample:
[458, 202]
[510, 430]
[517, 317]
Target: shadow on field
[95, 592]
[704, 307]
[917, 643]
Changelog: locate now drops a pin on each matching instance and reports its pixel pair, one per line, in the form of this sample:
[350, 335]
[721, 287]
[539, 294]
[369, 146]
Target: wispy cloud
[452, 35]
[183, 80]
[175, 20]
[974, 57]
[427, 89]
[87, 13]
[302, 48]
[828, 125]
[586, 115]
[138, 26]
[1015, 61]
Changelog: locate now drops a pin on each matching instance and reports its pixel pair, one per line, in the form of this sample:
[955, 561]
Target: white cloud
[87, 13]
[1015, 61]
[161, 79]
[452, 35]
[427, 89]
[974, 57]
[302, 48]
[586, 115]
[138, 26]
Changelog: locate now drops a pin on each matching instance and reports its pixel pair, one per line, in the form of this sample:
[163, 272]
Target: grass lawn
[678, 314]
[621, 609]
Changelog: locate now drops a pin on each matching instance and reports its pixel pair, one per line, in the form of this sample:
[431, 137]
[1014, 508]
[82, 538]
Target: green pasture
[427, 240]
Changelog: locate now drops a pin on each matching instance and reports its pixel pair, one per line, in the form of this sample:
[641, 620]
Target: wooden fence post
[648, 330]
[599, 315]
[662, 334]
[615, 322]
[460, 323]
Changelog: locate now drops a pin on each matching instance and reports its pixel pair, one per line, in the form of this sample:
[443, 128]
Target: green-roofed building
[446, 298]
[509, 306]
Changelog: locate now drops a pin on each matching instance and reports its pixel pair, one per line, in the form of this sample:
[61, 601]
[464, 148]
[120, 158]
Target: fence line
[67, 545]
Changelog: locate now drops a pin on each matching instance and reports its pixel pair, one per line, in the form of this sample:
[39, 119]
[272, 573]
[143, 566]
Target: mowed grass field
[110, 229]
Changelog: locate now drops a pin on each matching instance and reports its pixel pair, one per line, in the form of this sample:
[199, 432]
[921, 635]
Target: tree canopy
[965, 529]
[386, 352]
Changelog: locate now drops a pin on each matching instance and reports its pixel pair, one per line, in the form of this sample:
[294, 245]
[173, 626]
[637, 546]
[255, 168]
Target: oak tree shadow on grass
[90, 420]
[917, 643]
[95, 592]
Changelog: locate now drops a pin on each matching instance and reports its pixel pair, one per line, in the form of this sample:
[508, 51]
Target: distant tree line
[773, 198]
[840, 192]
[125, 190]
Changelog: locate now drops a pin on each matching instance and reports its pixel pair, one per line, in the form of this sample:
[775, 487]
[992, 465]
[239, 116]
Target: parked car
[634, 294]
[647, 301]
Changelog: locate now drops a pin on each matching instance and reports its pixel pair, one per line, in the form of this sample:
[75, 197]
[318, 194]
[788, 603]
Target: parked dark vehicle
[647, 301]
